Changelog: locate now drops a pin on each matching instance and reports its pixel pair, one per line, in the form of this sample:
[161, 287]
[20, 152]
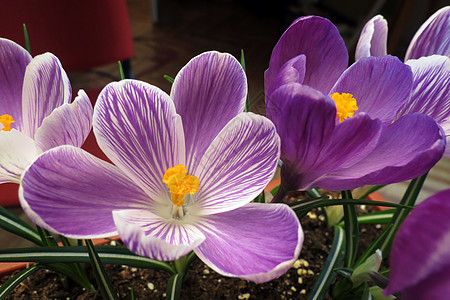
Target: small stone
[312, 215]
[245, 296]
[378, 226]
[363, 207]
[289, 293]
[206, 271]
[305, 263]
[363, 230]
[302, 272]
[300, 280]
[133, 269]
[113, 243]
[150, 286]
[322, 218]
[297, 264]
[303, 292]
[310, 272]
[219, 280]
[164, 295]
[293, 288]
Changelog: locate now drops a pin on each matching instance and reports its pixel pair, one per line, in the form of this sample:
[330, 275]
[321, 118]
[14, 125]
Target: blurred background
[154, 38]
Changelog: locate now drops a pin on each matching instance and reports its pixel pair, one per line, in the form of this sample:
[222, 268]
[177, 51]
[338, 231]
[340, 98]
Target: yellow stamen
[345, 105]
[6, 121]
[180, 184]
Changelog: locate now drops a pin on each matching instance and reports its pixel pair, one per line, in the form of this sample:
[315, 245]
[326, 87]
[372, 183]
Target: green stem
[351, 230]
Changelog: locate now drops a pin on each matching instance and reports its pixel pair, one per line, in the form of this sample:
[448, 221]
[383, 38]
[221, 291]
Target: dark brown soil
[201, 282]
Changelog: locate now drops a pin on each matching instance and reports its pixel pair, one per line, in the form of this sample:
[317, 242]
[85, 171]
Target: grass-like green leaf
[174, 287]
[168, 78]
[122, 74]
[15, 225]
[242, 61]
[104, 283]
[334, 260]
[109, 255]
[371, 190]
[27, 39]
[351, 230]
[14, 281]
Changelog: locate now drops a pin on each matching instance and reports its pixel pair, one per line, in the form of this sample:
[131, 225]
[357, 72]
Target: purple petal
[150, 235]
[12, 70]
[68, 124]
[208, 92]
[319, 40]
[380, 85]
[74, 193]
[436, 286]
[373, 38]
[237, 166]
[293, 71]
[257, 242]
[304, 118]
[401, 154]
[432, 37]
[420, 248]
[17, 152]
[137, 127]
[45, 87]
[431, 89]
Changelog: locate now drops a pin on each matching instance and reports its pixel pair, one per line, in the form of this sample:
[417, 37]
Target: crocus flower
[420, 256]
[339, 127]
[185, 169]
[35, 113]
[428, 56]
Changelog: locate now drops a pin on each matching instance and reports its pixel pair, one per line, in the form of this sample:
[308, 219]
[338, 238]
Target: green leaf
[46, 237]
[408, 200]
[132, 294]
[14, 281]
[371, 190]
[242, 61]
[104, 283]
[376, 244]
[15, 225]
[377, 293]
[334, 260]
[109, 255]
[168, 78]
[351, 230]
[275, 190]
[174, 287]
[366, 293]
[27, 39]
[122, 74]
[378, 217]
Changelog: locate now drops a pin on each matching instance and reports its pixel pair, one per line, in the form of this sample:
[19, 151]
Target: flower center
[6, 121]
[345, 105]
[180, 184]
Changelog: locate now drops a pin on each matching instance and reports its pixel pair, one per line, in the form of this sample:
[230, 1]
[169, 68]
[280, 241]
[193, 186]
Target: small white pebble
[133, 269]
[303, 292]
[164, 295]
[206, 271]
[293, 288]
[304, 262]
[150, 286]
[363, 230]
[289, 293]
[363, 207]
[125, 266]
[297, 264]
[113, 243]
[300, 280]
[219, 280]
[34, 292]
[310, 272]
[378, 226]
[312, 215]
[245, 296]
[322, 218]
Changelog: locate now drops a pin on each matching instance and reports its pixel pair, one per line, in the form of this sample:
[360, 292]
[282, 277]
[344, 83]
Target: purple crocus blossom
[35, 94]
[420, 256]
[375, 145]
[428, 56]
[230, 157]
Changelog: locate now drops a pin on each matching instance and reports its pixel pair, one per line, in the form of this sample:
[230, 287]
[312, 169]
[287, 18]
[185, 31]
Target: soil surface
[201, 282]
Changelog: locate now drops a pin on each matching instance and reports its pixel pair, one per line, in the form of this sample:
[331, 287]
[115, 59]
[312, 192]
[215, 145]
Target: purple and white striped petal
[319, 40]
[148, 234]
[293, 71]
[17, 152]
[257, 242]
[137, 127]
[380, 85]
[406, 149]
[74, 193]
[68, 124]
[14, 60]
[208, 92]
[432, 37]
[45, 87]
[373, 38]
[420, 249]
[237, 166]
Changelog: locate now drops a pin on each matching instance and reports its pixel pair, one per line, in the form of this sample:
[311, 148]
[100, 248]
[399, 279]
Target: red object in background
[81, 33]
